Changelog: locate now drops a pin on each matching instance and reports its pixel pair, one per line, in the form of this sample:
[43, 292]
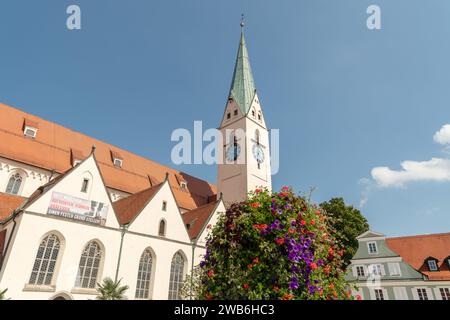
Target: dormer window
[432, 264]
[181, 181]
[30, 128]
[117, 159]
[372, 247]
[76, 157]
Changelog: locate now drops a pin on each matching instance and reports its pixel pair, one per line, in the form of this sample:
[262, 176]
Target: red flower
[260, 226]
[331, 286]
[313, 265]
[258, 190]
[256, 260]
[318, 212]
[330, 250]
[245, 286]
[250, 266]
[320, 292]
[291, 230]
[210, 273]
[232, 226]
[312, 222]
[283, 194]
[255, 204]
[335, 294]
[276, 289]
[208, 296]
[327, 270]
[285, 188]
[288, 296]
[341, 252]
[279, 241]
[358, 297]
[303, 222]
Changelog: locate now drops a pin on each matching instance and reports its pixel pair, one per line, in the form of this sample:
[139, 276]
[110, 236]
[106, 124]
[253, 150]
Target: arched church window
[88, 269]
[144, 275]
[45, 262]
[253, 112]
[259, 116]
[176, 276]
[14, 183]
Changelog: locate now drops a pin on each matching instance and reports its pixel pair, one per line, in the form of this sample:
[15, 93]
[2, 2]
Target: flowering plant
[272, 246]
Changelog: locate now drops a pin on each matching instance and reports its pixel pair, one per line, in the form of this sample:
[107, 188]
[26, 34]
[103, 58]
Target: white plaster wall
[33, 177]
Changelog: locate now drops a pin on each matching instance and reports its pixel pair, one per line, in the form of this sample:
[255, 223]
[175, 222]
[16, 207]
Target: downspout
[194, 244]
[124, 230]
[9, 241]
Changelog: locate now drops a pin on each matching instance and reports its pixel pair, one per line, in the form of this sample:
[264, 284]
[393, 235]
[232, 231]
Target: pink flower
[285, 188]
[210, 273]
[313, 265]
[258, 191]
[245, 286]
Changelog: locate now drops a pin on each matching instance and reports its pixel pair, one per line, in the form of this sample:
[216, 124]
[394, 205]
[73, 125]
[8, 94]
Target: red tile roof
[197, 218]
[416, 249]
[128, 208]
[51, 149]
[8, 203]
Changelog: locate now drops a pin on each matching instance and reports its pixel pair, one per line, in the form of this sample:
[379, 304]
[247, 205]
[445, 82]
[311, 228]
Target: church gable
[160, 216]
[78, 195]
[211, 221]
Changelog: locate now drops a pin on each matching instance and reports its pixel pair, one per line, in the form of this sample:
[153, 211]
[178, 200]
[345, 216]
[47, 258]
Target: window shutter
[430, 293]
[372, 294]
[414, 293]
[355, 274]
[437, 294]
[383, 272]
[385, 294]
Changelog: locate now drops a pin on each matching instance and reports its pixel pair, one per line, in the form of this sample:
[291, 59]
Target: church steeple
[242, 86]
[244, 150]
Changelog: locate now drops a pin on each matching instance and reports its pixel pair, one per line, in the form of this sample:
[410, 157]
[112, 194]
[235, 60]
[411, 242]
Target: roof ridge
[420, 236]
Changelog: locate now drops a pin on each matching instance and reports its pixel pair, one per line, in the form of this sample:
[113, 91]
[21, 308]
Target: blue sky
[346, 99]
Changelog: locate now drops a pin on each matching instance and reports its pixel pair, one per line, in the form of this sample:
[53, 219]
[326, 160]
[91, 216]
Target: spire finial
[242, 21]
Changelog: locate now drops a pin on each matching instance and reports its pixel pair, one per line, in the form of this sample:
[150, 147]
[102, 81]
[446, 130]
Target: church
[75, 210]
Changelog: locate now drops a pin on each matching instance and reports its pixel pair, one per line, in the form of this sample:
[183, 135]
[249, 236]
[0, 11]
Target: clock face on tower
[258, 153]
[233, 152]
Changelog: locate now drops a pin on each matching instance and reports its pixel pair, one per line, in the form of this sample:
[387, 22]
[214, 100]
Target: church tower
[245, 155]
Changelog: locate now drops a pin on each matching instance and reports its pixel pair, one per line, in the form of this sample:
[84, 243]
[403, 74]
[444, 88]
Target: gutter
[194, 244]
[124, 230]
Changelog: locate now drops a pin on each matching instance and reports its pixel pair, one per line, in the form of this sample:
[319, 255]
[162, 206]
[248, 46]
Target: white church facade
[75, 210]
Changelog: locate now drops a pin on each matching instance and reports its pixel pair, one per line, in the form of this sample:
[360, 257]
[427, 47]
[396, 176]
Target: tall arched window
[45, 262]
[176, 276]
[144, 275]
[89, 266]
[14, 183]
[162, 228]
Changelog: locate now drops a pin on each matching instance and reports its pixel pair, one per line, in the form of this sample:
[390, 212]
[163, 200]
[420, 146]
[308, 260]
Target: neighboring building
[74, 210]
[404, 268]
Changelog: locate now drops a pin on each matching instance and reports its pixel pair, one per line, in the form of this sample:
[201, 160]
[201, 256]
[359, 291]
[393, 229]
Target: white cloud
[443, 135]
[436, 169]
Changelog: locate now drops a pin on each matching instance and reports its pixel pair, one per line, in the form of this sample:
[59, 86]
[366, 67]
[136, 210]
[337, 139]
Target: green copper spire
[243, 86]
